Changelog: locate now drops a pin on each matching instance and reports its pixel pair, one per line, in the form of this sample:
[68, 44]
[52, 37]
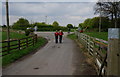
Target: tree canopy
[70, 26]
[94, 23]
[109, 9]
[55, 23]
[21, 24]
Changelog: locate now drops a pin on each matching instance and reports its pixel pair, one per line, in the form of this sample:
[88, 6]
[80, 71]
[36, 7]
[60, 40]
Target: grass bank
[101, 35]
[72, 36]
[20, 53]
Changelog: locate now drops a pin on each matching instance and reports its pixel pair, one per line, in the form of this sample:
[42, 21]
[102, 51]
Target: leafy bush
[28, 31]
[46, 27]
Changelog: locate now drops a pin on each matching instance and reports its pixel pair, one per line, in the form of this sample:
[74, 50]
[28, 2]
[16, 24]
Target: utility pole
[7, 19]
[100, 20]
[8, 31]
[46, 19]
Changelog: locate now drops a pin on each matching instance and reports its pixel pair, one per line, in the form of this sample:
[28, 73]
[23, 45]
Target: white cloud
[64, 13]
[51, 0]
[0, 13]
[58, 0]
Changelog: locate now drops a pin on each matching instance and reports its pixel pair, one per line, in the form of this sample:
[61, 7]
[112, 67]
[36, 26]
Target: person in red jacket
[60, 36]
[56, 36]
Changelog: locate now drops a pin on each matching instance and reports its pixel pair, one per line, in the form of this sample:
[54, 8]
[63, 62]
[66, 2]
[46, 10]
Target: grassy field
[13, 35]
[20, 53]
[101, 35]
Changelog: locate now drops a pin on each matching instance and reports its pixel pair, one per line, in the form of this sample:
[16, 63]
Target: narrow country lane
[53, 59]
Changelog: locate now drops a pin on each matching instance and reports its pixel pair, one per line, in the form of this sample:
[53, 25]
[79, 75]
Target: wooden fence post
[19, 43]
[36, 37]
[26, 42]
[8, 48]
[113, 65]
[33, 40]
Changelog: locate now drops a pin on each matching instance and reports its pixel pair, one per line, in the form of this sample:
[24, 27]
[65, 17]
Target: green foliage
[70, 26]
[28, 31]
[109, 9]
[86, 23]
[118, 22]
[94, 23]
[72, 36]
[112, 23]
[80, 25]
[55, 23]
[21, 24]
[46, 27]
[13, 35]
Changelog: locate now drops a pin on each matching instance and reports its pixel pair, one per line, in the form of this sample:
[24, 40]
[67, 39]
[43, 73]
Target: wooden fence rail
[13, 45]
[97, 48]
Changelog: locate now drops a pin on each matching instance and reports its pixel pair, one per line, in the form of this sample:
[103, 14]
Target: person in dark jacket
[56, 36]
[68, 30]
[60, 36]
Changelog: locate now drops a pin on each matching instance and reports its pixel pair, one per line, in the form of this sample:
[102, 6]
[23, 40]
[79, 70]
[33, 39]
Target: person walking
[68, 30]
[60, 36]
[35, 28]
[56, 36]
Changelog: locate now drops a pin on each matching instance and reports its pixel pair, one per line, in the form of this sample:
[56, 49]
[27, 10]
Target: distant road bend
[53, 59]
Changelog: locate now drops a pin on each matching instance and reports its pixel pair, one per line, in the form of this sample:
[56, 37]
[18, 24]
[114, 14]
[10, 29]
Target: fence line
[97, 48]
[9, 46]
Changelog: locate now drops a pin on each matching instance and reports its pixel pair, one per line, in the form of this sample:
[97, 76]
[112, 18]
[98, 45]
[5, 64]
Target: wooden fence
[18, 44]
[97, 49]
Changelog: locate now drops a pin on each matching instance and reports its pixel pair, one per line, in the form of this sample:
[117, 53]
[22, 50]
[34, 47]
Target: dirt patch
[82, 62]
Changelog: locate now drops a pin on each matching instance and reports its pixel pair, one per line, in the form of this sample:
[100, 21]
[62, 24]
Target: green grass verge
[20, 53]
[72, 36]
[101, 35]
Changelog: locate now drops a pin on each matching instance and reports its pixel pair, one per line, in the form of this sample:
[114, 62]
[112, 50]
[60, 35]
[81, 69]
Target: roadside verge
[88, 59]
[22, 54]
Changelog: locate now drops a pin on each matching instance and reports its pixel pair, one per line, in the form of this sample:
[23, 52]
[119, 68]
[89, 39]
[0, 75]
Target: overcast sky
[63, 12]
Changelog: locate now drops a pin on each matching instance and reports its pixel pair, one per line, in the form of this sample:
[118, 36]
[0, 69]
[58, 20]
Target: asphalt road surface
[53, 59]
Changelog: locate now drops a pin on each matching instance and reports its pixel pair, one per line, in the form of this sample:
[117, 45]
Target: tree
[109, 9]
[47, 27]
[70, 26]
[55, 23]
[87, 23]
[81, 25]
[94, 23]
[21, 24]
[4, 26]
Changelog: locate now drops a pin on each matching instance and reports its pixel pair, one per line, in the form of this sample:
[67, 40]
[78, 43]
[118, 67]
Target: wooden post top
[114, 33]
